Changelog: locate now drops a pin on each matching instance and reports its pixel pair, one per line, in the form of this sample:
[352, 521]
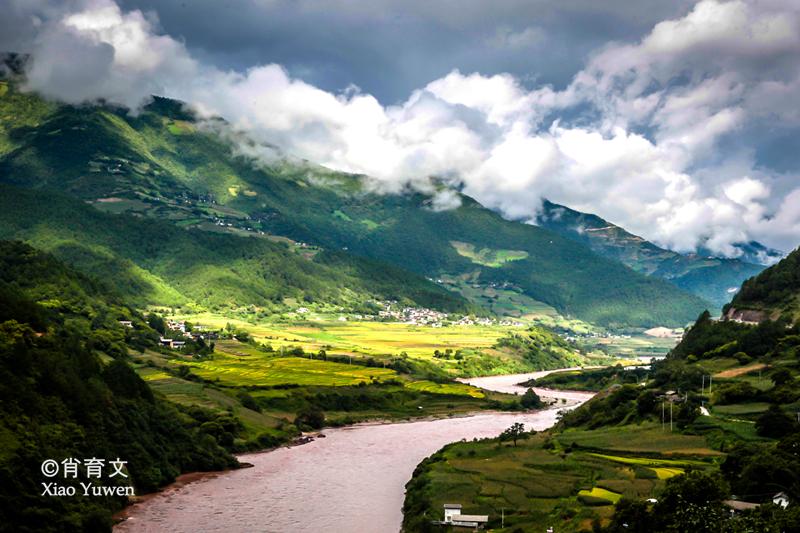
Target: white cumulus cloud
[653, 135]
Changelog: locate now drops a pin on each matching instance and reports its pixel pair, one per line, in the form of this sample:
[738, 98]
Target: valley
[704, 439]
[173, 296]
[347, 371]
[353, 478]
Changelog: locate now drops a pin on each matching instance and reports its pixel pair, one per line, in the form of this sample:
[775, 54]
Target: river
[351, 481]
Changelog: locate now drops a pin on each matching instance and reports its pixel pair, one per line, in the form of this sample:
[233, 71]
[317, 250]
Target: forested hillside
[711, 278]
[773, 293]
[703, 440]
[155, 262]
[164, 163]
[66, 390]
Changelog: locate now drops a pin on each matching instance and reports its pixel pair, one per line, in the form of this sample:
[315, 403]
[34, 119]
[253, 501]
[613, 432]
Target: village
[422, 316]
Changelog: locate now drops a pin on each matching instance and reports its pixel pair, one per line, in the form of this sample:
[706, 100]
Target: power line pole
[662, 415]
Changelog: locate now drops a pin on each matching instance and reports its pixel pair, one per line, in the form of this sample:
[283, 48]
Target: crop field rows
[366, 338]
[270, 371]
[544, 481]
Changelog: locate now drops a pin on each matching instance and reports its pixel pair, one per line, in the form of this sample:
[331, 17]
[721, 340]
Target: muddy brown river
[352, 481]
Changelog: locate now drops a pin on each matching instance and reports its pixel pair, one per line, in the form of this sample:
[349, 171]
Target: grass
[643, 438]
[666, 473]
[283, 386]
[597, 492]
[488, 256]
[384, 340]
[636, 345]
[456, 389]
[370, 224]
[541, 485]
[265, 371]
[647, 461]
[739, 409]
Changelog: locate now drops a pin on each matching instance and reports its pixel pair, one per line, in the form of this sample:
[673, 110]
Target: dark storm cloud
[391, 48]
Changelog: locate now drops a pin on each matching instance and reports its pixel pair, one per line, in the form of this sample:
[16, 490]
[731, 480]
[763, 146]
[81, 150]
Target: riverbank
[353, 479]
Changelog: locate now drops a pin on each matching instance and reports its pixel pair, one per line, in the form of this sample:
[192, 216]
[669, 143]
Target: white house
[470, 520]
[450, 510]
[781, 499]
[453, 516]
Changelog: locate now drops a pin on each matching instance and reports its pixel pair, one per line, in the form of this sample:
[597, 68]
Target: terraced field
[458, 389]
[547, 481]
[369, 338]
[265, 370]
[602, 494]
[641, 438]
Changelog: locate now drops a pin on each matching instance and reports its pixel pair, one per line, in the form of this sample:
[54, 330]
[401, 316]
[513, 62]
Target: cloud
[507, 38]
[658, 135]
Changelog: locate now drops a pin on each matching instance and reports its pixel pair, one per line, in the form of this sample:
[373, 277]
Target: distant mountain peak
[752, 252]
[702, 272]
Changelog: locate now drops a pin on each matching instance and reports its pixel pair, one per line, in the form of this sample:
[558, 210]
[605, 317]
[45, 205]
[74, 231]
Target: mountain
[702, 440]
[753, 252]
[165, 164]
[67, 391]
[772, 294]
[155, 262]
[711, 278]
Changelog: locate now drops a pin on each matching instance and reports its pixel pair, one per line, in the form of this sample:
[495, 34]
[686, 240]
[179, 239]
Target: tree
[157, 323]
[687, 413]
[530, 400]
[646, 402]
[774, 423]
[631, 516]
[311, 417]
[781, 377]
[691, 502]
[513, 433]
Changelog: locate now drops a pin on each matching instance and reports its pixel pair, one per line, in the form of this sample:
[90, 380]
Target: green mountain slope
[164, 164]
[155, 262]
[66, 391]
[711, 278]
[772, 294]
[674, 446]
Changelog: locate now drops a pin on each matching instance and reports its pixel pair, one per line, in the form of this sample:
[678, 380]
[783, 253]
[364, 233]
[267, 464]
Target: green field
[638, 438]
[488, 256]
[360, 337]
[266, 371]
[545, 481]
[601, 493]
[473, 349]
[457, 389]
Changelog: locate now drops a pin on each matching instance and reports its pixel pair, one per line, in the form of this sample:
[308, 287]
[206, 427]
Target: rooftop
[471, 518]
[740, 506]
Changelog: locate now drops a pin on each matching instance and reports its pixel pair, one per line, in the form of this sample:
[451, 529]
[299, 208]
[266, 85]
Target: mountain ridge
[709, 277]
[163, 164]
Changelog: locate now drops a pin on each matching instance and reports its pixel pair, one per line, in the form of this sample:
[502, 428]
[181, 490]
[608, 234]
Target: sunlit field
[267, 370]
[362, 338]
[546, 481]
